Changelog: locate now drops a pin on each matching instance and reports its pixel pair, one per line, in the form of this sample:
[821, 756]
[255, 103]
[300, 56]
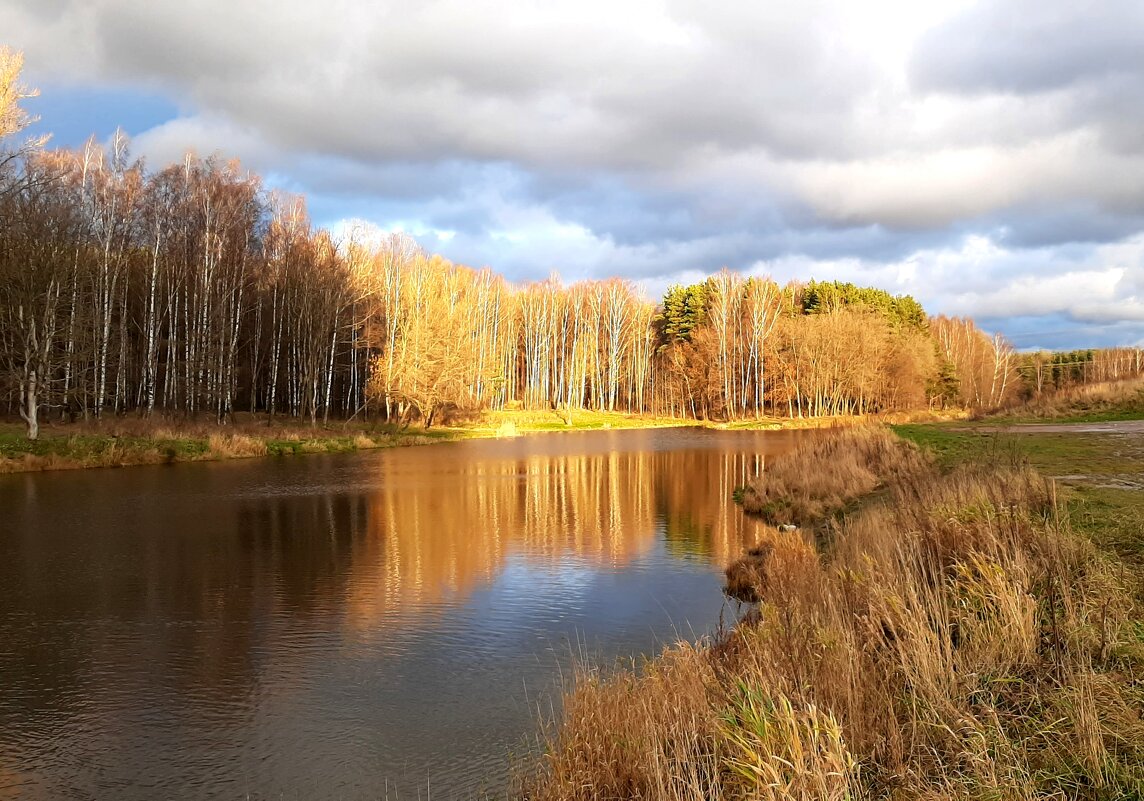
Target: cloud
[1031, 46]
[957, 150]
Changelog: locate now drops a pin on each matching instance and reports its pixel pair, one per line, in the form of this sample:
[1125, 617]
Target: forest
[191, 290]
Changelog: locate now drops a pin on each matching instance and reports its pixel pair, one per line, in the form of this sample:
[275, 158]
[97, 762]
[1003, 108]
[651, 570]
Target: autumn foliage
[189, 289]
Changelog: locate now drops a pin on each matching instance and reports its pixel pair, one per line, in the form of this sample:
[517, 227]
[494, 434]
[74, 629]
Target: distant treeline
[1047, 371]
[192, 290]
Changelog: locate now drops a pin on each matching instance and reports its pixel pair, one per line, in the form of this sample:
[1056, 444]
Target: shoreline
[922, 619]
[133, 442]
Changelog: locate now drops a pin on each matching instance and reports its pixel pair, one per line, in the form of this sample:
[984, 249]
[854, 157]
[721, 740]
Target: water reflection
[341, 626]
[426, 548]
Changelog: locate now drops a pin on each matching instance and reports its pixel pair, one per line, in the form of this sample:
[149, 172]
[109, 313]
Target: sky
[986, 157]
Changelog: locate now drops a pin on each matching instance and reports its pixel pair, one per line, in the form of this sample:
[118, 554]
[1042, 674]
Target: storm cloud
[987, 157]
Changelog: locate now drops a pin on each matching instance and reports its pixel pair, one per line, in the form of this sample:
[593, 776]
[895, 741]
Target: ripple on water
[383, 624]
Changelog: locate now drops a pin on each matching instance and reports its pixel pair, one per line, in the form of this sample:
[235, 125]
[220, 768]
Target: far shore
[129, 441]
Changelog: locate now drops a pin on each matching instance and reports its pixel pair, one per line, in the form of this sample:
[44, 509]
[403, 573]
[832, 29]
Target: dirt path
[1113, 427]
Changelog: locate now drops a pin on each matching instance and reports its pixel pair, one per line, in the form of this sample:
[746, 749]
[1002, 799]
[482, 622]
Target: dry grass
[234, 446]
[116, 442]
[507, 429]
[1109, 400]
[514, 420]
[957, 641]
[828, 472]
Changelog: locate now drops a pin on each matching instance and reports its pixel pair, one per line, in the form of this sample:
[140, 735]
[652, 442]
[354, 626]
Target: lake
[386, 624]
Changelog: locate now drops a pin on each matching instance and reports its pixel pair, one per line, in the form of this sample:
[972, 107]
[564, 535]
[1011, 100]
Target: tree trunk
[29, 406]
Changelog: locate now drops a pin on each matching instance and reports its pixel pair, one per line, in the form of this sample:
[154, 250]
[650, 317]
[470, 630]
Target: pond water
[387, 624]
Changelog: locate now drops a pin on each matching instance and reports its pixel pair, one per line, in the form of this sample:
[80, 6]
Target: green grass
[1111, 516]
[1068, 453]
[284, 447]
[1114, 415]
[93, 447]
[65, 447]
[952, 444]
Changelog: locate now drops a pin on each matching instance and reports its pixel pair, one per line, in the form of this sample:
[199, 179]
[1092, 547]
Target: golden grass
[507, 429]
[956, 641]
[234, 446]
[832, 469]
[1105, 400]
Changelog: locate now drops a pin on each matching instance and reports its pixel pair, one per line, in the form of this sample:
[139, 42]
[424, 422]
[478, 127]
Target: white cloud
[986, 156]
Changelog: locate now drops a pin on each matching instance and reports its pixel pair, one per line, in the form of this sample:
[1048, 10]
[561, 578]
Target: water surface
[373, 625]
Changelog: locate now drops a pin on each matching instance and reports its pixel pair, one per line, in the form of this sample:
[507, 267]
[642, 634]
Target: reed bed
[956, 641]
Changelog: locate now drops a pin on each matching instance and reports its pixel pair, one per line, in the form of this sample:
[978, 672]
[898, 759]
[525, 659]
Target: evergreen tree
[684, 309]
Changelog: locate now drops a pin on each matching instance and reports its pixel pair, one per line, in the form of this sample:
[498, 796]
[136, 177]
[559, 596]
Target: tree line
[192, 290]
[1048, 371]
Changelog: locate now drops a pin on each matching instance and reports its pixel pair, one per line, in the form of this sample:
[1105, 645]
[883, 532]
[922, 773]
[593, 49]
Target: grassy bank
[1093, 403]
[1068, 454]
[121, 443]
[958, 637]
[524, 421]
[1100, 476]
[527, 421]
[510, 422]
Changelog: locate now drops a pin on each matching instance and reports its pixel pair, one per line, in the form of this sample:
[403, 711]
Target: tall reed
[957, 640]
